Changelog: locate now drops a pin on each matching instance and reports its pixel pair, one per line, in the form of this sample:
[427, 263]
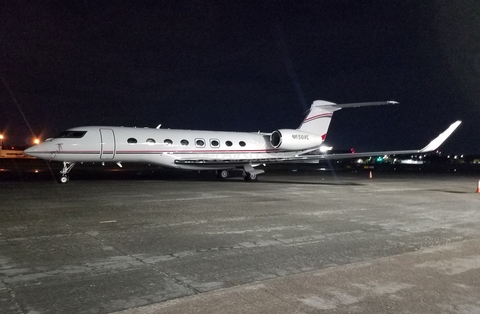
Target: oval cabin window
[168, 141]
[132, 140]
[214, 143]
[242, 143]
[184, 142]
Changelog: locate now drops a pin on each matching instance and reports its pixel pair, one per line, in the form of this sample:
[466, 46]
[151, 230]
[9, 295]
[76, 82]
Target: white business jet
[206, 150]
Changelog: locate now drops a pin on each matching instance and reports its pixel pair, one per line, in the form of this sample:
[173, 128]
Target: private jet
[207, 150]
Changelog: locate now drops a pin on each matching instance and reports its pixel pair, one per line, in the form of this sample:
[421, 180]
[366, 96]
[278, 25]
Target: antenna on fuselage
[158, 126]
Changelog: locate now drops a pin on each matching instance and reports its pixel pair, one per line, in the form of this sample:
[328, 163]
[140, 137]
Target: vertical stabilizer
[319, 117]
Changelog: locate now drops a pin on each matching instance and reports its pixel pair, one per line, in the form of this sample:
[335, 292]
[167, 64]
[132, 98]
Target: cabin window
[228, 143]
[214, 143]
[151, 141]
[242, 143]
[132, 140]
[71, 134]
[184, 142]
[168, 141]
[200, 142]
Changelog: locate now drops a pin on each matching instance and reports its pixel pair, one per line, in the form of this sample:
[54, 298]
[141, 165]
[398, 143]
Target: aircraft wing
[432, 146]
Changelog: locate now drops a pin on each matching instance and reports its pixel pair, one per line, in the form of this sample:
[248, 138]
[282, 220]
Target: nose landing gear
[67, 166]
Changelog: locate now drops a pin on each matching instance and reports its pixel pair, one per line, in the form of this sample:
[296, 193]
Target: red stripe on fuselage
[165, 151]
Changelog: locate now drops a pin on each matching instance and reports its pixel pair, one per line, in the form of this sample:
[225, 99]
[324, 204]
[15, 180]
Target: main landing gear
[223, 174]
[248, 176]
[67, 166]
[249, 173]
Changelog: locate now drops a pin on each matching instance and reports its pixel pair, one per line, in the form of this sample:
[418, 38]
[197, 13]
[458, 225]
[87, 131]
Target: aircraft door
[107, 144]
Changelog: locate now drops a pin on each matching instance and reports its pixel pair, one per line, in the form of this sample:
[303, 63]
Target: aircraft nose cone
[29, 150]
[43, 150]
[32, 151]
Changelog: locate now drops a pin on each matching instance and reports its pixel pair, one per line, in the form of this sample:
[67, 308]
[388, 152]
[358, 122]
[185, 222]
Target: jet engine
[294, 139]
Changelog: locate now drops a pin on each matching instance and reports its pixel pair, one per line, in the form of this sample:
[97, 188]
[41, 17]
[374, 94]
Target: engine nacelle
[294, 139]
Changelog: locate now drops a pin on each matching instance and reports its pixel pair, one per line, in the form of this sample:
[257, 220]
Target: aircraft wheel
[223, 174]
[250, 177]
[63, 179]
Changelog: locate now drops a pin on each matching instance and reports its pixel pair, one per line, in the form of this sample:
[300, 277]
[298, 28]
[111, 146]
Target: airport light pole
[1, 145]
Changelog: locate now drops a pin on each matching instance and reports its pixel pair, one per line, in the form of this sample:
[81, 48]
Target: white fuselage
[166, 146]
[206, 150]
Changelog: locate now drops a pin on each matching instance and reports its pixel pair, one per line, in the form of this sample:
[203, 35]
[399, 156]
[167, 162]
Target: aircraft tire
[223, 174]
[250, 177]
[63, 179]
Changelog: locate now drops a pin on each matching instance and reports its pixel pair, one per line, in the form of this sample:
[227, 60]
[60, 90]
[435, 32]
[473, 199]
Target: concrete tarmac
[291, 243]
[444, 279]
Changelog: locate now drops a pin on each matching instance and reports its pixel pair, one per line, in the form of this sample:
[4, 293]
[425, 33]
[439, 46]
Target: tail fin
[318, 119]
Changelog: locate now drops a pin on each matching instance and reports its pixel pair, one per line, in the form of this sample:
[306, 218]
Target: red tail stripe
[323, 115]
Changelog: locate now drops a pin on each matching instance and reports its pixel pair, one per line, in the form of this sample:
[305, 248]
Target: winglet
[433, 145]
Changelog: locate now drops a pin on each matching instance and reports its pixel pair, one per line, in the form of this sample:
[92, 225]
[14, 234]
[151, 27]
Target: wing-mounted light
[324, 149]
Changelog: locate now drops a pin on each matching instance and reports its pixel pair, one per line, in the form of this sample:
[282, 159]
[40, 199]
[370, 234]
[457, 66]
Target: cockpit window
[71, 134]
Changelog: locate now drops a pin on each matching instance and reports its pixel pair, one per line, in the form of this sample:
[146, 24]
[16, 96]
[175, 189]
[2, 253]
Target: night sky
[243, 66]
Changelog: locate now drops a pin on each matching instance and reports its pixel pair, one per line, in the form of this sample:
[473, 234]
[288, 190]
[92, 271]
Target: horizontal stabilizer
[364, 104]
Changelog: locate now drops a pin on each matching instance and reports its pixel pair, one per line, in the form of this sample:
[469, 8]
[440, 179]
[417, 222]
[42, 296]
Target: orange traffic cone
[371, 176]
[478, 187]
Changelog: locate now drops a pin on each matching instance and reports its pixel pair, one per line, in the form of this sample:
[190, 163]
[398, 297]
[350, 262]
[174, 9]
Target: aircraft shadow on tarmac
[452, 192]
[339, 183]
[170, 176]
